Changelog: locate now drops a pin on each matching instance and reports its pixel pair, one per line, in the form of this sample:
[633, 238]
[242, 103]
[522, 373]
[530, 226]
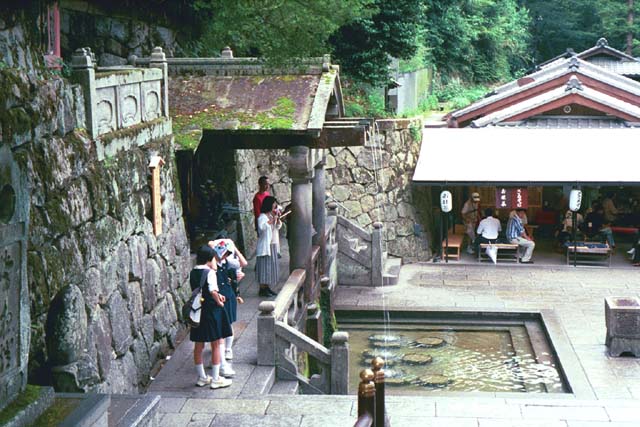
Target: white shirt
[489, 228]
[212, 279]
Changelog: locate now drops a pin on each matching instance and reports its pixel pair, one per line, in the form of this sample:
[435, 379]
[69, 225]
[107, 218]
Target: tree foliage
[477, 40]
[578, 24]
[271, 28]
[364, 46]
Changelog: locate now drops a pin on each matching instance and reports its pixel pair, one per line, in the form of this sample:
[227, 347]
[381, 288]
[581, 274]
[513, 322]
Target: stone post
[267, 334]
[377, 255]
[333, 209]
[301, 230]
[159, 60]
[319, 212]
[326, 306]
[313, 330]
[314, 322]
[339, 363]
[15, 324]
[85, 74]
[622, 317]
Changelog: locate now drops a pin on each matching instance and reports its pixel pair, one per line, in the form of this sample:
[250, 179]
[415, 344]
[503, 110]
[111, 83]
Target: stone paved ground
[576, 295]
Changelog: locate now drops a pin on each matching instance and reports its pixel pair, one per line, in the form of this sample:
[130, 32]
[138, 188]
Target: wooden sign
[512, 198]
[156, 201]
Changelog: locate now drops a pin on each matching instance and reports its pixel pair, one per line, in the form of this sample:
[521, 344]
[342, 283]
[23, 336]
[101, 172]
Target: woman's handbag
[191, 309]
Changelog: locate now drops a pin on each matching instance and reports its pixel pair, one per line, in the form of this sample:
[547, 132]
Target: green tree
[276, 29]
[365, 46]
[477, 40]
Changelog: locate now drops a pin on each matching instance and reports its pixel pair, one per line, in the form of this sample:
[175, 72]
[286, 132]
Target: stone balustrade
[121, 97]
[280, 342]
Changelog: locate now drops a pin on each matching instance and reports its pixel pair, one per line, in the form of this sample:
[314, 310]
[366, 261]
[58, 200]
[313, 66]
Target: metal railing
[371, 405]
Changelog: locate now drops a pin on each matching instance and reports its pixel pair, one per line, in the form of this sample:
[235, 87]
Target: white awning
[508, 156]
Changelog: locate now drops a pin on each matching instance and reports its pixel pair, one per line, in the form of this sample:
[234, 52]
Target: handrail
[289, 292]
[303, 343]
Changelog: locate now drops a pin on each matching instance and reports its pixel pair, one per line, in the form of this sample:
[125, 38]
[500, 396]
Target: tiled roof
[574, 86]
[231, 95]
[575, 122]
[626, 68]
[559, 68]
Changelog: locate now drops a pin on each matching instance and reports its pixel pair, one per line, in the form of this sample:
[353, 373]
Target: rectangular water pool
[428, 352]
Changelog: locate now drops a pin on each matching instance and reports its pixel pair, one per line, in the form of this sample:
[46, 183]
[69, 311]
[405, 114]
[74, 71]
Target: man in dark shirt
[595, 224]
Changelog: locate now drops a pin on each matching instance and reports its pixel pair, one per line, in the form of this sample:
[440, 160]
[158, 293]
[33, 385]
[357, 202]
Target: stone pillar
[301, 230]
[377, 255]
[319, 212]
[339, 363]
[15, 323]
[85, 74]
[159, 60]
[267, 334]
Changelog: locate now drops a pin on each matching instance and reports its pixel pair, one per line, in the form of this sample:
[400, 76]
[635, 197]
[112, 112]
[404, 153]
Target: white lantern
[445, 201]
[575, 200]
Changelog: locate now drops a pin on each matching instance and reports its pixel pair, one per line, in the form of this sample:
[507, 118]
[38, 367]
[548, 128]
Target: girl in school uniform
[222, 252]
[214, 322]
[234, 263]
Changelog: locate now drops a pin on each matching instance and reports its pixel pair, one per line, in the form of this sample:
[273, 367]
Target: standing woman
[268, 244]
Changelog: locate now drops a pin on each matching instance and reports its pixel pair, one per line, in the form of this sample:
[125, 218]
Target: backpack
[191, 309]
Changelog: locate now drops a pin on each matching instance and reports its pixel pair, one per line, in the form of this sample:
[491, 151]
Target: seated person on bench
[566, 233]
[595, 225]
[488, 229]
[517, 235]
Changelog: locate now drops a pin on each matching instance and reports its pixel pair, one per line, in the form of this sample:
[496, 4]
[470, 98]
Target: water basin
[428, 352]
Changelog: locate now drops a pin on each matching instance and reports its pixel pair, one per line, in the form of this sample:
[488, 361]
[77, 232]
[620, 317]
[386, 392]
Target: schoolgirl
[214, 322]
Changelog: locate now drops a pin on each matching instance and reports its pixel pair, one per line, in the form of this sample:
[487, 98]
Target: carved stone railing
[281, 342]
[226, 64]
[360, 254]
[120, 97]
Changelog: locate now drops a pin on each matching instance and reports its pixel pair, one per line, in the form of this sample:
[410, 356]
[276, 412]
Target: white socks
[228, 342]
[215, 372]
[221, 347]
[200, 369]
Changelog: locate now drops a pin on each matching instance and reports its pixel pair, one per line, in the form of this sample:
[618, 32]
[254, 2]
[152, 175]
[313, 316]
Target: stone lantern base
[622, 316]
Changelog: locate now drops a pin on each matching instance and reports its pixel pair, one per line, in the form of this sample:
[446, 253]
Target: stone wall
[373, 183]
[112, 38]
[104, 290]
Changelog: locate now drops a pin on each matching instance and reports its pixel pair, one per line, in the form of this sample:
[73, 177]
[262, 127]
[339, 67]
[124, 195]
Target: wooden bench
[455, 243]
[587, 255]
[506, 252]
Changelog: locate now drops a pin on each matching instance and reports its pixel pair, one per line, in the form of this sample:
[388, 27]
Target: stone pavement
[575, 294]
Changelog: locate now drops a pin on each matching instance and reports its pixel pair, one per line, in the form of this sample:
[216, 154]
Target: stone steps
[285, 387]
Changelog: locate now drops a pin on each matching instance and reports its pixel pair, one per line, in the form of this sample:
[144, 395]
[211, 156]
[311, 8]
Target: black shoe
[264, 292]
[526, 262]
[271, 293]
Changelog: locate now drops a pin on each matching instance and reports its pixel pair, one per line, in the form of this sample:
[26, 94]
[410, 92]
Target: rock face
[373, 183]
[103, 287]
[113, 39]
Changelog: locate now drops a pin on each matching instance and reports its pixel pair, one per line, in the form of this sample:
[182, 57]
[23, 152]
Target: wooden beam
[330, 136]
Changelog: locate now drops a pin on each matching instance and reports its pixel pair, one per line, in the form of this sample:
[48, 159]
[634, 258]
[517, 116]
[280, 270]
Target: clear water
[487, 359]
